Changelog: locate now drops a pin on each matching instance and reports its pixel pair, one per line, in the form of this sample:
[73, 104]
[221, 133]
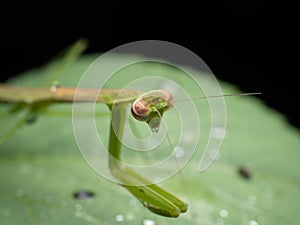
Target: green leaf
[41, 167]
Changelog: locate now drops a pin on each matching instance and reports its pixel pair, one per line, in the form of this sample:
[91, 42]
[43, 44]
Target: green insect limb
[150, 195]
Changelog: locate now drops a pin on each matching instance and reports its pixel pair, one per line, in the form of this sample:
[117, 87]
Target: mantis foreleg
[151, 196]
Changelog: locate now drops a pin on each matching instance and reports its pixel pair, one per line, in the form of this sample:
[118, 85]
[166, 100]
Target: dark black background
[248, 43]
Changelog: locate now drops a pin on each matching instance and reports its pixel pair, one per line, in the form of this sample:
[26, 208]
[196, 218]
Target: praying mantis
[149, 107]
[145, 107]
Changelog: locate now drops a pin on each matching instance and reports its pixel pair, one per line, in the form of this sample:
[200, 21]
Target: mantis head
[151, 106]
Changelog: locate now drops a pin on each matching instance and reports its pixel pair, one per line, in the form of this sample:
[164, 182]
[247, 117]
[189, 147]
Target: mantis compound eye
[139, 111]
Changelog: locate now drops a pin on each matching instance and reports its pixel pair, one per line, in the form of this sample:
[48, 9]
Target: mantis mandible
[145, 107]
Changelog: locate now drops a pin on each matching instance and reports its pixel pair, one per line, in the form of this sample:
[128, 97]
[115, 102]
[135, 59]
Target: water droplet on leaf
[119, 218]
[253, 222]
[148, 222]
[55, 85]
[223, 213]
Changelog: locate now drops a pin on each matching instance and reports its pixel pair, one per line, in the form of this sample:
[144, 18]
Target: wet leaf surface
[42, 169]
